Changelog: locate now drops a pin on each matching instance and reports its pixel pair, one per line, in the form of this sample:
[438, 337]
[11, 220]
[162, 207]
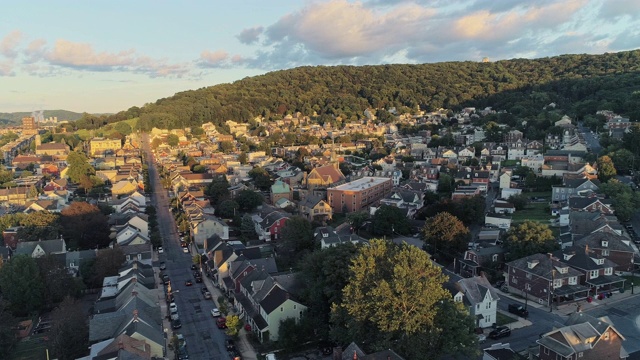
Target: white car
[173, 308]
[175, 316]
[160, 250]
[215, 312]
[185, 250]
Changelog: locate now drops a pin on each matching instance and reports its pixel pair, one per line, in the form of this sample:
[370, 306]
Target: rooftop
[361, 184]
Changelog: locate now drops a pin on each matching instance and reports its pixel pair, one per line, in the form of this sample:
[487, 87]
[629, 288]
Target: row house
[481, 255]
[583, 223]
[545, 279]
[614, 247]
[15, 195]
[597, 271]
[591, 204]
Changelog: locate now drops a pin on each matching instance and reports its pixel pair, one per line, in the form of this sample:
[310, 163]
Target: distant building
[100, 146]
[358, 194]
[29, 126]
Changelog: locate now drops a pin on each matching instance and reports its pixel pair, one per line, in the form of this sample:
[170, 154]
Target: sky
[106, 56]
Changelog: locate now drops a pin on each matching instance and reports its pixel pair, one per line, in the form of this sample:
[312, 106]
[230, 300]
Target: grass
[31, 347]
[503, 319]
[533, 211]
[635, 280]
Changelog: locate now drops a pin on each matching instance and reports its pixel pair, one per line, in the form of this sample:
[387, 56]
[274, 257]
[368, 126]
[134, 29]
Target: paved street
[204, 339]
[592, 142]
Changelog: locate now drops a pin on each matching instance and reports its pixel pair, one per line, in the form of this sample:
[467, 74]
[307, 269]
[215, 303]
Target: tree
[70, 331]
[22, 285]
[530, 238]
[357, 219]
[606, 169]
[197, 131]
[247, 228]
[389, 220]
[323, 287]
[519, 201]
[8, 336]
[234, 323]
[393, 291]
[445, 183]
[227, 208]
[261, 178]
[108, 262]
[625, 200]
[243, 158]
[226, 147]
[296, 239]
[445, 234]
[173, 140]
[57, 281]
[85, 226]
[155, 143]
[217, 190]
[249, 200]
[39, 225]
[79, 167]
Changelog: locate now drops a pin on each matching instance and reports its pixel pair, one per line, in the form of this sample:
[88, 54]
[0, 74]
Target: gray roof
[475, 289]
[543, 266]
[348, 352]
[582, 258]
[614, 242]
[48, 246]
[310, 201]
[576, 202]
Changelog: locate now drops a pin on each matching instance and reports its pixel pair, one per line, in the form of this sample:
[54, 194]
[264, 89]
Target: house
[74, 260]
[124, 187]
[616, 248]
[37, 249]
[129, 235]
[324, 177]
[503, 207]
[591, 204]
[404, 199]
[269, 227]
[265, 300]
[315, 209]
[545, 279]
[477, 294]
[281, 190]
[583, 223]
[42, 205]
[102, 146]
[574, 187]
[498, 220]
[597, 271]
[589, 340]
[328, 237]
[205, 226]
[500, 351]
[143, 253]
[481, 255]
[55, 185]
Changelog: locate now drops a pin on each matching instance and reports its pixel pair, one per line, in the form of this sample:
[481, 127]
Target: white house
[479, 296]
[501, 221]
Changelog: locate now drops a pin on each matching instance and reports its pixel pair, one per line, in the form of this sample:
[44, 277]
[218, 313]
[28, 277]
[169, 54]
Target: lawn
[504, 319]
[533, 211]
[631, 279]
[31, 347]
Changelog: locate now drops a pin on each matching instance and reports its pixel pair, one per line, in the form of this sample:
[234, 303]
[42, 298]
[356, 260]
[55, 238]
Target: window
[605, 252]
[494, 258]
[488, 306]
[546, 351]
[527, 287]
[593, 274]
[559, 357]
[514, 280]
[281, 309]
[580, 354]
[294, 306]
[608, 271]
[478, 307]
[557, 283]
[573, 280]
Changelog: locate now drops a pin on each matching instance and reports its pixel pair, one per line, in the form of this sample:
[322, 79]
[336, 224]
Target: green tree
[357, 219]
[390, 220]
[123, 128]
[393, 291]
[519, 201]
[108, 262]
[173, 140]
[606, 168]
[227, 209]
[247, 229]
[226, 147]
[22, 285]
[155, 143]
[249, 200]
[197, 131]
[445, 234]
[625, 200]
[261, 178]
[79, 167]
[39, 225]
[8, 337]
[323, 287]
[217, 190]
[85, 226]
[445, 183]
[70, 331]
[57, 281]
[295, 240]
[529, 238]
[243, 158]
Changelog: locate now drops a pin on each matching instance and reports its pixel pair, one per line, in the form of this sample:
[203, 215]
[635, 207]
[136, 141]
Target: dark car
[199, 279]
[163, 266]
[500, 332]
[204, 289]
[188, 283]
[182, 354]
[176, 324]
[518, 310]
[194, 267]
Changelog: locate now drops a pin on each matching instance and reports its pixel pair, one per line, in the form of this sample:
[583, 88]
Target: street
[592, 142]
[204, 339]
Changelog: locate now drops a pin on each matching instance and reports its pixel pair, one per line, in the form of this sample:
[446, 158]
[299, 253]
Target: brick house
[597, 271]
[591, 204]
[545, 279]
[610, 246]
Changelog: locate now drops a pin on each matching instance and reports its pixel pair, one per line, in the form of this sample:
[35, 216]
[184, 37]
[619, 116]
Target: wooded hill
[580, 84]
[15, 118]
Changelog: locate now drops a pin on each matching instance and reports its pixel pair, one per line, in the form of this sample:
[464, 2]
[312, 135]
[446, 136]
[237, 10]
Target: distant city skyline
[104, 57]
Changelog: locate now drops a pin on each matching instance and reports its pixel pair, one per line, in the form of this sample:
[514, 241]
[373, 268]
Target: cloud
[7, 68]
[82, 56]
[10, 43]
[250, 35]
[616, 9]
[213, 59]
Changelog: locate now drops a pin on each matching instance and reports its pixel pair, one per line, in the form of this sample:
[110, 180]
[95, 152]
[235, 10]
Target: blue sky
[106, 56]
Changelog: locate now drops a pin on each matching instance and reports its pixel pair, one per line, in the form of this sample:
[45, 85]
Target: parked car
[221, 323]
[185, 250]
[176, 324]
[482, 338]
[199, 279]
[160, 250]
[207, 295]
[175, 316]
[194, 267]
[500, 332]
[204, 289]
[215, 312]
[173, 307]
[518, 310]
[188, 283]
[163, 266]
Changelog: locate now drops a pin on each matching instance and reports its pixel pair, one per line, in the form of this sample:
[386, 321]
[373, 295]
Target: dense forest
[580, 84]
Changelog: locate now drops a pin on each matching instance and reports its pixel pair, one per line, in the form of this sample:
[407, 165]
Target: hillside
[16, 117]
[580, 84]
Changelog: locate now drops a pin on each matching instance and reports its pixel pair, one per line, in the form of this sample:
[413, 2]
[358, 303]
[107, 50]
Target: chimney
[355, 355]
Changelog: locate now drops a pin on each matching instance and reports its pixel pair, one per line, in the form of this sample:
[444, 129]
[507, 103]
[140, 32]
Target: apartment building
[359, 194]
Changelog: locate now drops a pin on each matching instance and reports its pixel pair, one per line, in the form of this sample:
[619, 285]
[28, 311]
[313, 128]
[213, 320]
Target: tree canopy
[22, 285]
[85, 226]
[389, 220]
[445, 234]
[530, 238]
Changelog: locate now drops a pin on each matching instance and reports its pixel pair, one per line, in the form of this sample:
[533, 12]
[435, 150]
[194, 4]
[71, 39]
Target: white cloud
[83, 56]
[10, 43]
[216, 58]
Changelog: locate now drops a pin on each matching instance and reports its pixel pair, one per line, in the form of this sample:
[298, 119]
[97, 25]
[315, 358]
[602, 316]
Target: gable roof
[614, 242]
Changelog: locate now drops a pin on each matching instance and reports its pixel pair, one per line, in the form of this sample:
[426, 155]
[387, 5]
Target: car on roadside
[188, 283]
[221, 323]
[173, 308]
[175, 316]
[518, 310]
[199, 279]
[215, 312]
[163, 266]
[176, 324]
[499, 332]
[482, 338]
[185, 250]
[194, 267]
[160, 250]
[207, 295]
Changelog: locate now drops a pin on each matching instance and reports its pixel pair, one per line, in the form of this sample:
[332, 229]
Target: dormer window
[605, 243]
[600, 262]
[563, 270]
